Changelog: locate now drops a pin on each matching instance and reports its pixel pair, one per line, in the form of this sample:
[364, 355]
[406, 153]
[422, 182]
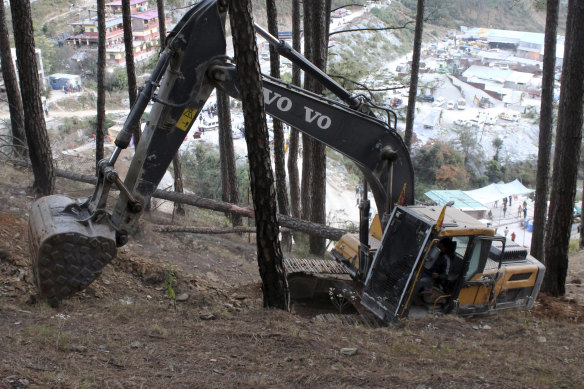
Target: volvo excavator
[71, 240]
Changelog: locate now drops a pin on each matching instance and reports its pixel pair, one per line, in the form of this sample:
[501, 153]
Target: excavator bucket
[68, 247]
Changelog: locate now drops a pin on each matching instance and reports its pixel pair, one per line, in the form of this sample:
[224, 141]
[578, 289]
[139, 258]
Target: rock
[78, 348]
[207, 316]
[541, 339]
[349, 351]
[135, 344]
[486, 327]
[182, 297]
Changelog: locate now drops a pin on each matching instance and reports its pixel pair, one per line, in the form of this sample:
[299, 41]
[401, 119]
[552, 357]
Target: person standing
[519, 210]
[504, 208]
[513, 236]
[506, 231]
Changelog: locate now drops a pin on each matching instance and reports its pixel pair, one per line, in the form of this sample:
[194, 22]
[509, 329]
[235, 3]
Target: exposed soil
[123, 331]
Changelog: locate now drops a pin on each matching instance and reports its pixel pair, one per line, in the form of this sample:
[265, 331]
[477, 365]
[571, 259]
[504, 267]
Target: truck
[378, 269]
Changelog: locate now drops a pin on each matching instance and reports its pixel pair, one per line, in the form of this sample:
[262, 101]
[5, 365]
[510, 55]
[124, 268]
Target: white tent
[494, 192]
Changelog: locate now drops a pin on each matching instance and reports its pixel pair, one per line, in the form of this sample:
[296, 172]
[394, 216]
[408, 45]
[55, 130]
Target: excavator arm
[72, 241]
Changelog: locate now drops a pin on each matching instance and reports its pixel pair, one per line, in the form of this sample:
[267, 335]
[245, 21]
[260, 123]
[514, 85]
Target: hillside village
[487, 81]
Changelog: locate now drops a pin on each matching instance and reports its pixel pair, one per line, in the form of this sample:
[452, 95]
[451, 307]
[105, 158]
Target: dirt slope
[124, 332]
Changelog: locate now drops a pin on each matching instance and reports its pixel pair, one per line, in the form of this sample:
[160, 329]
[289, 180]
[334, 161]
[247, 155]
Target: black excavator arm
[71, 241]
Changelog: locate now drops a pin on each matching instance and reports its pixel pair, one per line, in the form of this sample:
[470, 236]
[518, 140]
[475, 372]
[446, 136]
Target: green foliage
[438, 163]
[49, 29]
[169, 281]
[109, 121]
[494, 171]
[116, 80]
[524, 171]
[497, 144]
[202, 172]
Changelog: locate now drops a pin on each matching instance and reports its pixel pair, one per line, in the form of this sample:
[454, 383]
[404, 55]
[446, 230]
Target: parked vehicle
[439, 102]
[426, 98]
[461, 104]
[450, 104]
[510, 116]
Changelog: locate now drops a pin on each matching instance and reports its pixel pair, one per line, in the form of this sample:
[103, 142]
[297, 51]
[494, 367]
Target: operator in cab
[437, 266]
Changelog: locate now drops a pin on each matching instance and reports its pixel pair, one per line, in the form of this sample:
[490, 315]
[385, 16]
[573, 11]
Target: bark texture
[318, 161]
[293, 177]
[545, 130]
[161, 23]
[307, 142]
[39, 147]
[279, 147]
[12, 91]
[229, 185]
[567, 154]
[130, 66]
[415, 71]
[100, 120]
[274, 283]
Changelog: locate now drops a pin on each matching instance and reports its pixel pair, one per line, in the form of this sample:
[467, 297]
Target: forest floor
[123, 331]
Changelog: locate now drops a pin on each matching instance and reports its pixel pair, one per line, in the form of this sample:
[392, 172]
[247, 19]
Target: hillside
[123, 331]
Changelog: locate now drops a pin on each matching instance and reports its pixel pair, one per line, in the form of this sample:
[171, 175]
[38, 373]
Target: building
[135, 6]
[59, 81]
[145, 31]
[40, 66]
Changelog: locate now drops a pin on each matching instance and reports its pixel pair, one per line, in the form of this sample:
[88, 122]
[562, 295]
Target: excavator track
[313, 266]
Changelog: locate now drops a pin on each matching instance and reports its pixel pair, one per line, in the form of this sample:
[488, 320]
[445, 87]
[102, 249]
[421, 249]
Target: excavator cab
[484, 275]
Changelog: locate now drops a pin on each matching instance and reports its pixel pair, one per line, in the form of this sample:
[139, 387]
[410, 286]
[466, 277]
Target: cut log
[220, 206]
[203, 230]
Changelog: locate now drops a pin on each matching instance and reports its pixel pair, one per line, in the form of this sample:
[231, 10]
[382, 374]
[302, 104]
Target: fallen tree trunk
[203, 230]
[220, 206]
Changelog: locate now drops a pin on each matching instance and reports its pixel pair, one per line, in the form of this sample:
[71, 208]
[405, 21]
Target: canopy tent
[495, 192]
[460, 200]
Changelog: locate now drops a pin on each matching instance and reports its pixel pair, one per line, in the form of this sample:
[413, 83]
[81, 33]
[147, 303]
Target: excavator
[71, 240]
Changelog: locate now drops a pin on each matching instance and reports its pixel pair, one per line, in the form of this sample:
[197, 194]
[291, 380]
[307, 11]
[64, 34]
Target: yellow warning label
[186, 118]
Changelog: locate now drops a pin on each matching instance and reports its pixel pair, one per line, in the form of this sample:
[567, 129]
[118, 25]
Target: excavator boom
[71, 241]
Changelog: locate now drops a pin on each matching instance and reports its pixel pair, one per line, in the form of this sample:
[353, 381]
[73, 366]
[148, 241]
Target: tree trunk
[279, 152]
[100, 120]
[161, 23]
[39, 146]
[274, 282]
[12, 92]
[307, 142]
[318, 161]
[545, 130]
[293, 146]
[415, 71]
[566, 155]
[178, 183]
[130, 66]
[229, 186]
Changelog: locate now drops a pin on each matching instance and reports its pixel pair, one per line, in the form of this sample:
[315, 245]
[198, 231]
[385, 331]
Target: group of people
[521, 209]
